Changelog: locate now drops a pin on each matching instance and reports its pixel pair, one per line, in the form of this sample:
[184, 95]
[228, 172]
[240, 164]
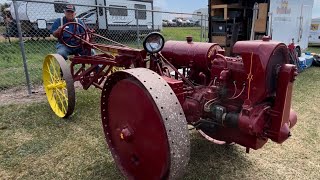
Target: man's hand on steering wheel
[57, 33]
[75, 37]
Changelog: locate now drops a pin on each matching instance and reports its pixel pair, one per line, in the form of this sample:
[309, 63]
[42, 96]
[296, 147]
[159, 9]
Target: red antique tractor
[147, 106]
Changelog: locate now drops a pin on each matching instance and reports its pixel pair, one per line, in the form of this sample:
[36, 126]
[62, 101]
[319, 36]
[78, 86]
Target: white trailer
[290, 20]
[283, 20]
[118, 18]
[314, 38]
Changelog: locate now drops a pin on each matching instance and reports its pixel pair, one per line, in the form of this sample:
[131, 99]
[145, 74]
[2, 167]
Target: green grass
[48, 148]
[180, 33]
[315, 49]
[2, 29]
[35, 144]
[12, 72]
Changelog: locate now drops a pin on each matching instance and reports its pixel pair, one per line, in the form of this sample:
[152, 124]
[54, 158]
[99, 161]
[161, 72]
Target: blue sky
[187, 6]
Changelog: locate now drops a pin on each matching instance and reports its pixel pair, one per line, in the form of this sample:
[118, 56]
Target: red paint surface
[140, 157]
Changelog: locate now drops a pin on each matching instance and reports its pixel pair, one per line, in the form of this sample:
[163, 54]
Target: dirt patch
[20, 96]
[4, 174]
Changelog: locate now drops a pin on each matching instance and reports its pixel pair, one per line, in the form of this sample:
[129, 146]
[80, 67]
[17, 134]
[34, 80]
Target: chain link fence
[26, 38]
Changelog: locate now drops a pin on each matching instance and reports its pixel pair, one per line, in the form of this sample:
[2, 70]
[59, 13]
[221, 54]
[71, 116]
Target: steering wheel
[76, 37]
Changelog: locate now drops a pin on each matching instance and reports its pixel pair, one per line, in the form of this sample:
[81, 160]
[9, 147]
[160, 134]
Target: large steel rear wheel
[58, 84]
[144, 125]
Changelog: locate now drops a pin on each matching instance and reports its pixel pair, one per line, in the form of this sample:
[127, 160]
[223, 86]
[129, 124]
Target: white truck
[119, 17]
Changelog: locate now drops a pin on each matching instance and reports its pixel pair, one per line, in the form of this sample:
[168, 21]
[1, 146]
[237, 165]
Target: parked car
[191, 22]
[197, 23]
[171, 23]
[165, 23]
[180, 22]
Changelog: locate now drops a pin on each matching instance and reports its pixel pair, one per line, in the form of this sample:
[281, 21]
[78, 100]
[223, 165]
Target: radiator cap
[266, 38]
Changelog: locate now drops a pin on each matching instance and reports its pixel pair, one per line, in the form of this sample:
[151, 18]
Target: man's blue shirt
[79, 30]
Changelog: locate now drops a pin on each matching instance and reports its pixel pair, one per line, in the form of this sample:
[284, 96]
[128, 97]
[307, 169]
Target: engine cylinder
[190, 54]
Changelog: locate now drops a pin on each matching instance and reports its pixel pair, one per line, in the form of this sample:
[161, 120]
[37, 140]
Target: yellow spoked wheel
[115, 69]
[58, 85]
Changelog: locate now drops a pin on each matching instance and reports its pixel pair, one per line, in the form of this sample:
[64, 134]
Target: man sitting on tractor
[58, 32]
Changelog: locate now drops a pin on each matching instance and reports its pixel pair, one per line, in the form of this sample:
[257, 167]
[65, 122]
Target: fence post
[137, 23]
[22, 46]
[205, 28]
[201, 24]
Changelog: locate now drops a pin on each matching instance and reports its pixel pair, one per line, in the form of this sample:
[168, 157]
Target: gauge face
[153, 43]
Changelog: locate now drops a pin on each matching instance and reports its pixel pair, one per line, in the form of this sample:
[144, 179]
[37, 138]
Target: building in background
[202, 16]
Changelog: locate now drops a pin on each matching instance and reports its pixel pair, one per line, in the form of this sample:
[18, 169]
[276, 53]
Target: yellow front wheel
[58, 84]
[115, 69]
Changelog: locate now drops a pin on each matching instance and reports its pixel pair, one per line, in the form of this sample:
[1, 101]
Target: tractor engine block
[244, 99]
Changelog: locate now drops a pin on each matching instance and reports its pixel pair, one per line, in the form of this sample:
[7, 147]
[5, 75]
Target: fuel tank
[187, 53]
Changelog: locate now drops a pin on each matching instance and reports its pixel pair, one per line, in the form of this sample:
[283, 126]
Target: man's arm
[57, 32]
[56, 28]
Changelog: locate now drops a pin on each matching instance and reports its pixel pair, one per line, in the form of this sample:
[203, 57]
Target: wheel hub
[126, 135]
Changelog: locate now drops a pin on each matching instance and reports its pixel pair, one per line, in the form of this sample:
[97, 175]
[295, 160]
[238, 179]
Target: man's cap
[70, 7]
